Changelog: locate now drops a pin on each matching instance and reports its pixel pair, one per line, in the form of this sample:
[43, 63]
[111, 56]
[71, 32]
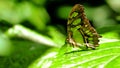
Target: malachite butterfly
[78, 24]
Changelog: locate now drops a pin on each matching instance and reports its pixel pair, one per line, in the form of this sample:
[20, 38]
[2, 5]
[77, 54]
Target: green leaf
[6, 47]
[105, 56]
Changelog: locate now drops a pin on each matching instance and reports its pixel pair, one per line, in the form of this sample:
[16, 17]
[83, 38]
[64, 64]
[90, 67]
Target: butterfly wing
[78, 26]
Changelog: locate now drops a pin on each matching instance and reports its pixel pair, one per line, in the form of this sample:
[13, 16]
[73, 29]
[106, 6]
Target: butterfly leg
[70, 40]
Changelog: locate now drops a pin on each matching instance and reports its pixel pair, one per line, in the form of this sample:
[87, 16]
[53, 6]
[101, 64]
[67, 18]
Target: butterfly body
[79, 26]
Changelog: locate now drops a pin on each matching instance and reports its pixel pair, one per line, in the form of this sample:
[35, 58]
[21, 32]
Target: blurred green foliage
[15, 13]
[5, 45]
[43, 31]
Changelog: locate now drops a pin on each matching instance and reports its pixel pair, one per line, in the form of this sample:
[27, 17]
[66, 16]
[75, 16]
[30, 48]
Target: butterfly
[78, 26]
